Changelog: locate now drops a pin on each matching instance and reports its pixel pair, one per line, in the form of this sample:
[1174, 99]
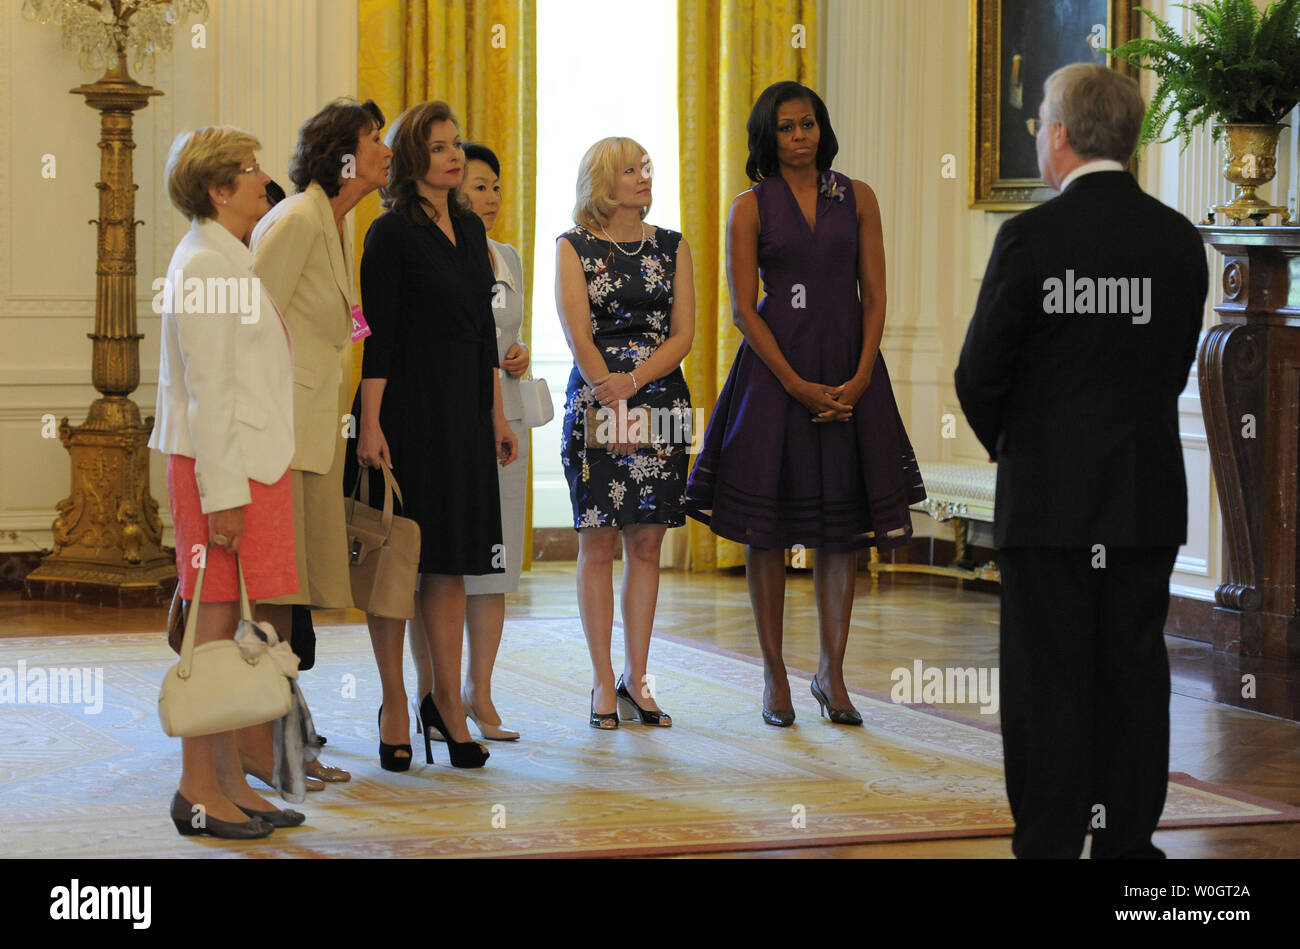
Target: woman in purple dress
[806, 447]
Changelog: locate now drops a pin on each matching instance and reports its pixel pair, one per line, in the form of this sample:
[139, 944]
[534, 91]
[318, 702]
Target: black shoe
[629, 711]
[464, 754]
[840, 716]
[605, 721]
[277, 817]
[182, 817]
[389, 760]
[781, 718]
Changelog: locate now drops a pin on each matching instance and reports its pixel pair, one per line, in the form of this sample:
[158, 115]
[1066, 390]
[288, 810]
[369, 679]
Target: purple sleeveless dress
[767, 475]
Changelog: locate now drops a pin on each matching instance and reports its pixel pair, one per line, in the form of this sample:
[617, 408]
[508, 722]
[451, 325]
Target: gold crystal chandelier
[103, 31]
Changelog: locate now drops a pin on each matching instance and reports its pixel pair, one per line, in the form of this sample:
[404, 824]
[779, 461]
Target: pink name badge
[360, 328]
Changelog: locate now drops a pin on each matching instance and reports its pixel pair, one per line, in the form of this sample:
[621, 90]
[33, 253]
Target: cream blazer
[225, 395]
[297, 254]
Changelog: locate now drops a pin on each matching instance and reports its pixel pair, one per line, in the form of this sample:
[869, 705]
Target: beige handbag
[230, 683]
[602, 427]
[383, 552]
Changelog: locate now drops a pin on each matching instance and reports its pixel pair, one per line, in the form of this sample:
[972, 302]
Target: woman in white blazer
[485, 601]
[302, 250]
[224, 418]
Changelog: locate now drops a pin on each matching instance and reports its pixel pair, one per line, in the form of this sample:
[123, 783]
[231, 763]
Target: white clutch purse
[537, 404]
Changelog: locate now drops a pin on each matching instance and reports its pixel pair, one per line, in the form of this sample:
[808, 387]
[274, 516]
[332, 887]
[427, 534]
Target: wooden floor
[905, 618]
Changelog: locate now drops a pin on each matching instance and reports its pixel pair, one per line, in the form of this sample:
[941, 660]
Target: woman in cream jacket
[303, 252]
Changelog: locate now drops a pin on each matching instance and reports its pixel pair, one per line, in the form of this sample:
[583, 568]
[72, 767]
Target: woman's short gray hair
[1101, 109]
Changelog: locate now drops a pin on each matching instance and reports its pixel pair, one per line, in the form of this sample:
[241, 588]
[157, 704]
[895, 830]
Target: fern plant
[1236, 65]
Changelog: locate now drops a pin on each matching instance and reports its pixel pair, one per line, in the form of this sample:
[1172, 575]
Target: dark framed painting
[1015, 46]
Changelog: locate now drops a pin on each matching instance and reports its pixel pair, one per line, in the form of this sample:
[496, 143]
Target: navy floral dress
[631, 302]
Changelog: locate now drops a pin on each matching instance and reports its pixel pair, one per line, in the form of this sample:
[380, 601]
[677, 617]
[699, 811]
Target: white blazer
[225, 377]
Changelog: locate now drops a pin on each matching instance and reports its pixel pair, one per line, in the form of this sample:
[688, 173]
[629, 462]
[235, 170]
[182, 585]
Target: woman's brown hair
[328, 139]
[409, 140]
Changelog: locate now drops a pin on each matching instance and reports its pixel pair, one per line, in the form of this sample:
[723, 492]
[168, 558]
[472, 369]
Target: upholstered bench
[957, 492]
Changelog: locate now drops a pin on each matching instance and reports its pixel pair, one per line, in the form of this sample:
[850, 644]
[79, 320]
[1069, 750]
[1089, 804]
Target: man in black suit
[1082, 339]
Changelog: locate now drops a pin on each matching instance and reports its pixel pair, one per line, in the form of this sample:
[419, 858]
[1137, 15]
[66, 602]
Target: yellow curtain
[479, 56]
[728, 51]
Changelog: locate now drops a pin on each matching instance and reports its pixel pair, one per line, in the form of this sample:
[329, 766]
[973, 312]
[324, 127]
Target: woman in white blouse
[485, 603]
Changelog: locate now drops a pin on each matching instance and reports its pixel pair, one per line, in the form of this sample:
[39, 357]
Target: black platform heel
[388, 757]
[464, 754]
[629, 711]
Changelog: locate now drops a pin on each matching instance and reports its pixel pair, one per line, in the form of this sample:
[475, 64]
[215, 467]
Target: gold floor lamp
[107, 535]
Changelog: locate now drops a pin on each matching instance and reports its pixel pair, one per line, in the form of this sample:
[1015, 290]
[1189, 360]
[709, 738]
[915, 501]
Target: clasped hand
[615, 387]
[829, 403]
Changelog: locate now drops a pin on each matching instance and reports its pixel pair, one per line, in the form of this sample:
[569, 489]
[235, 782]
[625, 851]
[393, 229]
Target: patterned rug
[76, 782]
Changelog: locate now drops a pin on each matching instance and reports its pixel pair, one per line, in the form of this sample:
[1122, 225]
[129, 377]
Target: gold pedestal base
[1256, 212]
[107, 538]
[100, 585]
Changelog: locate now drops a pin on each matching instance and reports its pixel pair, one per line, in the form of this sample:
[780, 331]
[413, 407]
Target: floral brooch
[830, 187]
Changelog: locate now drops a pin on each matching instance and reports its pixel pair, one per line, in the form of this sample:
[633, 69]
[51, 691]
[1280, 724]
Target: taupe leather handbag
[383, 551]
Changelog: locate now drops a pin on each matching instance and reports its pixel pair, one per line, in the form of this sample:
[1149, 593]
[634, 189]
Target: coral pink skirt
[266, 550]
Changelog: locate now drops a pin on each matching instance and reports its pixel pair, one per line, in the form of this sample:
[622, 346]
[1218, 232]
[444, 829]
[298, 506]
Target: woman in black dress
[626, 297]
[430, 406]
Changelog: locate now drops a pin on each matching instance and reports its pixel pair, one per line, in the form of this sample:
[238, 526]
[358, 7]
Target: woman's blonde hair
[201, 159]
[597, 172]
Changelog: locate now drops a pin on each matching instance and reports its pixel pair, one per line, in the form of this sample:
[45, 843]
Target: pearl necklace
[620, 249]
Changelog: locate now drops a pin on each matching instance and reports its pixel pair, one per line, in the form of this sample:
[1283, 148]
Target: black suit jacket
[1080, 411]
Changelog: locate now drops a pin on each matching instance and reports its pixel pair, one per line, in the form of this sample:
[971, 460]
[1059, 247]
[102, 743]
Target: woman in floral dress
[626, 298]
